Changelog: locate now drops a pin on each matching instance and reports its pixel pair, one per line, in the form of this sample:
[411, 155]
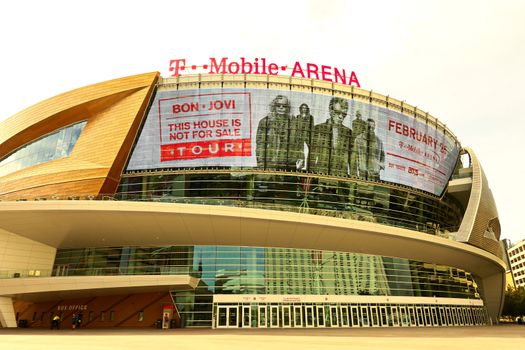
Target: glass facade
[226, 270]
[328, 196]
[55, 145]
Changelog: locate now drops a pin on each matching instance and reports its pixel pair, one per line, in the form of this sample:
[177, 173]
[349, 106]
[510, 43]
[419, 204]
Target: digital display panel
[293, 131]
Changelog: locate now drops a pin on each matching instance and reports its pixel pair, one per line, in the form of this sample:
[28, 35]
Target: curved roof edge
[80, 224]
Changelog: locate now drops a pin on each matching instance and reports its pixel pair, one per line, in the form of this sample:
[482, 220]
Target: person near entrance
[55, 322]
[165, 321]
[74, 321]
[79, 319]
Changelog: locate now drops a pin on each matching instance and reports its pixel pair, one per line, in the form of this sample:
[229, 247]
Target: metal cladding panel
[113, 111]
[485, 230]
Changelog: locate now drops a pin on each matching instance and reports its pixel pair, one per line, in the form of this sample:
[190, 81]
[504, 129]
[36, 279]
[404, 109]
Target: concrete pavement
[507, 337]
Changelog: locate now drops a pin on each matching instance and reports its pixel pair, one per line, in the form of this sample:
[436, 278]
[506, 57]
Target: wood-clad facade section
[113, 111]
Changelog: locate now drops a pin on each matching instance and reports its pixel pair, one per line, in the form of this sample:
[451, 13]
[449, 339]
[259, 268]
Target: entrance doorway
[246, 316]
[262, 316]
[298, 316]
[227, 316]
[309, 315]
[286, 316]
[274, 316]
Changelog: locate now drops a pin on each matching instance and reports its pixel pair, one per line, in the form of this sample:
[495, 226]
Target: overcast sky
[462, 61]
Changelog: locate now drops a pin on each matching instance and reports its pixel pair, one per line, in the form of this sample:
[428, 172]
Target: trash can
[158, 324]
[22, 323]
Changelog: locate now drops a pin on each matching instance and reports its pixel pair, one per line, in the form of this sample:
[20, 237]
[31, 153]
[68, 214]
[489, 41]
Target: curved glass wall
[270, 271]
[55, 145]
[249, 270]
[328, 196]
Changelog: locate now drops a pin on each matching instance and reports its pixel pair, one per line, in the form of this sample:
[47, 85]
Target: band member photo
[331, 141]
[368, 155]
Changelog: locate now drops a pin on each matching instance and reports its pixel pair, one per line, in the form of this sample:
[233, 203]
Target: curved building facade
[241, 201]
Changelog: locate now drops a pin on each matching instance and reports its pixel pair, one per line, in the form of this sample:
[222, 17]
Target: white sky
[463, 61]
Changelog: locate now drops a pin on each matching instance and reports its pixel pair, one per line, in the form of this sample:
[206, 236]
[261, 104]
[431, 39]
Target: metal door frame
[317, 318]
[276, 309]
[338, 316]
[394, 312]
[312, 309]
[289, 308]
[243, 310]
[354, 316]
[265, 318]
[228, 308]
[428, 316]
[442, 316]
[383, 313]
[454, 312]
[420, 316]
[403, 315]
[448, 316]
[377, 322]
[412, 316]
[345, 321]
[300, 308]
[217, 319]
[365, 313]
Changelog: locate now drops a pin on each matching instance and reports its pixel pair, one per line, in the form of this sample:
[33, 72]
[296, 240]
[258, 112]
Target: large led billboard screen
[294, 131]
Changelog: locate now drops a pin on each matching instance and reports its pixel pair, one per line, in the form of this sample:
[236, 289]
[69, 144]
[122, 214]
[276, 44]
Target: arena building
[241, 201]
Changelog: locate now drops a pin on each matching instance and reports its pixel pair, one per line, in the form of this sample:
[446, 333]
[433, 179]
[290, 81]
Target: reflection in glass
[55, 145]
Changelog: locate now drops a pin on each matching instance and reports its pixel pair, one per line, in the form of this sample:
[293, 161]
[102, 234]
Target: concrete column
[7, 313]
[494, 295]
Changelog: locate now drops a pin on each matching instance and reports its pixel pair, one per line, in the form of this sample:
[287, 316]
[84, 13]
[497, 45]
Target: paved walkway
[506, 337]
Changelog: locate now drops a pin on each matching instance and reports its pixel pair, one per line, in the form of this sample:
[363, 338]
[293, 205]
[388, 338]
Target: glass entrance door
[298, 316]
[442, 319]
[320, 316]
[262, 316]
[469, 316]
[246, 316]
[354, 316]
[395, 316]
[461, 317]
[309, 315]
[428, 319]
[420, 317]
[434, 314]
[334, 316]
[274, 316]
[227, 316]
[286, 316]
[374, 316]
[233, 313]
[412, 316]
[345, 319]
[222, 317]
[448, 317]
[403, 314]
[383, 316]
[365, 320]
[454, 313]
